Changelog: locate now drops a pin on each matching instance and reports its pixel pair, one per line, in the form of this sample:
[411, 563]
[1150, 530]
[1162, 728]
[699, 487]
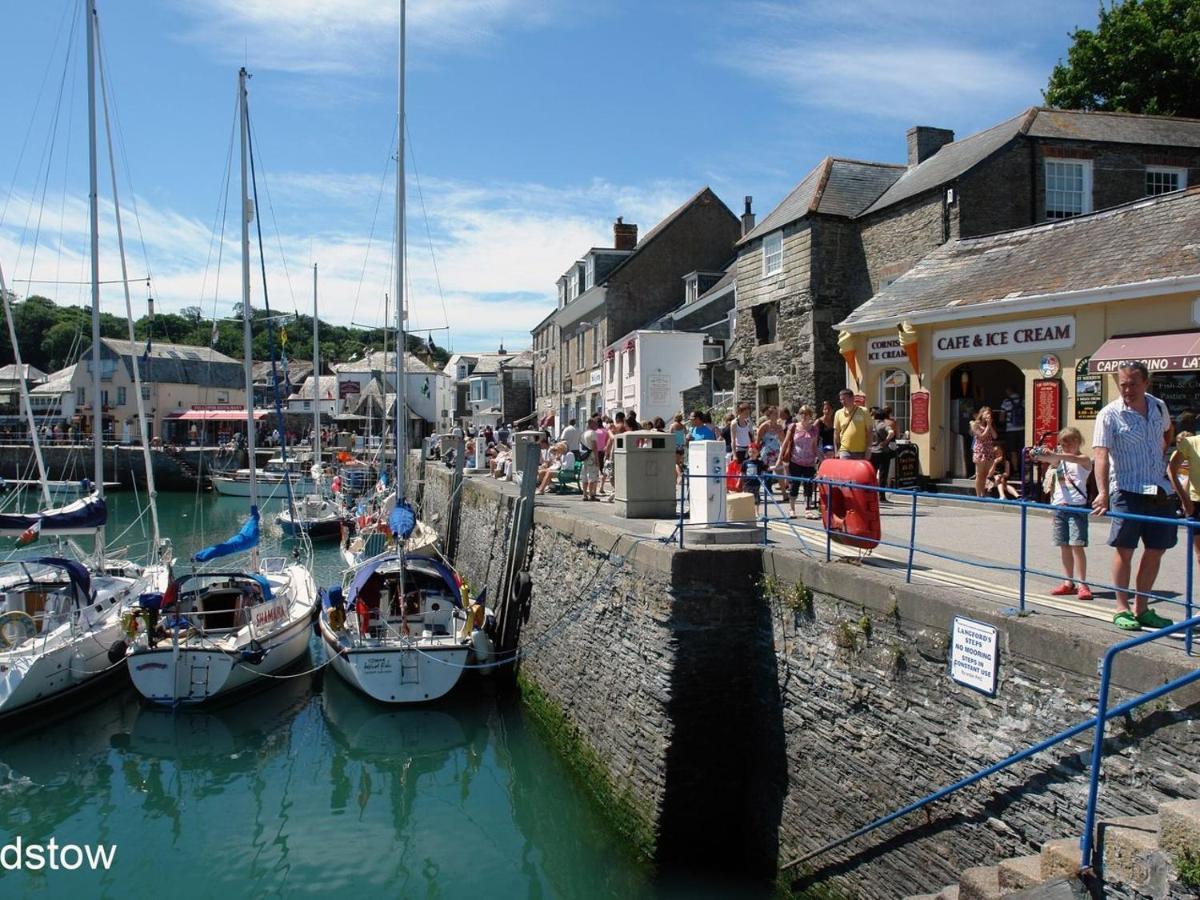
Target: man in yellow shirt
[850, 428]
[1187, 450]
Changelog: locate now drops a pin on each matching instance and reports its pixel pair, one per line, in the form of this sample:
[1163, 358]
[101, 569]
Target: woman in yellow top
[1187, 450]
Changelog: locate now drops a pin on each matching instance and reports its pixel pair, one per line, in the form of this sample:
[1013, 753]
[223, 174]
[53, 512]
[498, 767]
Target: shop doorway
[970, 387]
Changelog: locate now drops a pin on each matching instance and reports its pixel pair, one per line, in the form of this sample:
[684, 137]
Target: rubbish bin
[644, 475]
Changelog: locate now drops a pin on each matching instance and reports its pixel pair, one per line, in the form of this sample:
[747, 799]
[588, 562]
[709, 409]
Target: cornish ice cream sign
[1005, 338]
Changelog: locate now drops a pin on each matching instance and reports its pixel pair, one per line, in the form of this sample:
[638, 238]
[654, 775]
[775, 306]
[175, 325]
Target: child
[752, 469]
[1069, 489]
[1187, 451]
[997, 478]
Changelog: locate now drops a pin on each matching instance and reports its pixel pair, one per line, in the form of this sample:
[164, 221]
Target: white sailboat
[316, 515]
[213, 632]
[400, 630]
[60, 624]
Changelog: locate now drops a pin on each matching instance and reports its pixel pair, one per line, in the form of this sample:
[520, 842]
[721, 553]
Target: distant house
[499, 388]
[53, 401]
[11, 377]
[423, 385]
[613, 291]
[326, 396]
[261, 374]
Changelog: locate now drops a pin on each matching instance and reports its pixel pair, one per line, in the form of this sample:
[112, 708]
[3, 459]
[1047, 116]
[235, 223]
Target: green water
[304, 788]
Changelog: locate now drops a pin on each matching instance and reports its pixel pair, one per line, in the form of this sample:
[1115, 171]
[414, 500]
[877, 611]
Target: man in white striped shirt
[1131, 437]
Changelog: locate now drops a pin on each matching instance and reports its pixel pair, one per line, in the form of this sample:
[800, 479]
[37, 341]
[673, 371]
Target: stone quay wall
[728, 720]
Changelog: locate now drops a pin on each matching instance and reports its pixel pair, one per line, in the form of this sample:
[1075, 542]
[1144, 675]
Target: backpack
[583, 453]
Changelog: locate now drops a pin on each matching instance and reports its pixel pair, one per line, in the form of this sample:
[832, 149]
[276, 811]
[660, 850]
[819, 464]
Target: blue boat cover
[402, 521]
[75, 570]
[245, 539]
[363, 574]
[179, 582]
[84, 513]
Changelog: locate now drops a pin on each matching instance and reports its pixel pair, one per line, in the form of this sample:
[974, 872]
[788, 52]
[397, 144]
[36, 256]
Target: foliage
[1188, 867]
[1143, 57]
[52, 336]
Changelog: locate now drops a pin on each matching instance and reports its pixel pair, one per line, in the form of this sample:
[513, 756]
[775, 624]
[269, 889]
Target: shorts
[848, 454]
[1070, 529]
[1125, 533]
[590, 472]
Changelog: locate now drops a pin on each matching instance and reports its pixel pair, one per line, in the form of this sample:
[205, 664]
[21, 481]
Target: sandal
[1151, 619]
[1064, 589]
[1126, 621]
[1084, 592]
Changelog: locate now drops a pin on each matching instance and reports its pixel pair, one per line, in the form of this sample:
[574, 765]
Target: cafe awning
[1176, 352]
[218, 415]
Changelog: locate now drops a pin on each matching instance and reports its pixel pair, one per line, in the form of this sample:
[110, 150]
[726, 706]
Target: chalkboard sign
[1179, 390]
[907, 466]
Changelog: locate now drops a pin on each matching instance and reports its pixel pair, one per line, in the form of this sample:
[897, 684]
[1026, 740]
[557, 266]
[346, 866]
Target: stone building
[849, 228]
[614, 291]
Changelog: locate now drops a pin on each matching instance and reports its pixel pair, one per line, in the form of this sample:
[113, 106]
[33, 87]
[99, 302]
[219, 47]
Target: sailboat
[60, 619]
[314, 514]
[213, 632]
[399, 629]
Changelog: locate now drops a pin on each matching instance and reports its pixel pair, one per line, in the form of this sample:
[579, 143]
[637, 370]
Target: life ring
[851, 516]
[15, 627]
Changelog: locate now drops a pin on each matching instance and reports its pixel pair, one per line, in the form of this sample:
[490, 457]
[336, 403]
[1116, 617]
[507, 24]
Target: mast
[316, 377]
[247, 343]
[25, 404]
[401, 387]
[94, 220]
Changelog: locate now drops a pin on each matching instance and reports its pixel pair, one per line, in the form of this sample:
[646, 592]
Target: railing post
[766, 498]
[912, 538]
[683, 480]
[1024, 529]
[1187, 597]
[1089, 821]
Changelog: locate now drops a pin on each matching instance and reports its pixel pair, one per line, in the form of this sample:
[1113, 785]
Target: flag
[283, 336]
[432, 345]
[146, 355]
[216, 335]
[30, 534]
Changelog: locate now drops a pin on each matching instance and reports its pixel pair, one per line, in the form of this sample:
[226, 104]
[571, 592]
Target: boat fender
[522, 586]
[116, 652]
[481, 646]
[16, 626]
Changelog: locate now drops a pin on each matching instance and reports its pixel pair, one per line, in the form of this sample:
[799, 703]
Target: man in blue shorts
[1130, 439]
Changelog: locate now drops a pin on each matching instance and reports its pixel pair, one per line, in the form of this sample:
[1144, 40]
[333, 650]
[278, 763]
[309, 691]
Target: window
[631, 355]
[773, 253]
[766, 316]
[893, 392]
[691, 289]
[120, 396]
[80, 396]
[589, 273]
[1068, 187]
[579, 352]
[595, 344]
[308, 404]
[145, 392]
[1164, 179]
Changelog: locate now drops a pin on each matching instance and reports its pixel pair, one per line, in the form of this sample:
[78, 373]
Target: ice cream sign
[884, 349]
[1002, 339]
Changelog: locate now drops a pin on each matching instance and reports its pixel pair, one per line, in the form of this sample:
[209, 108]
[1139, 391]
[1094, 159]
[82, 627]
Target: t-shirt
[570, 437]
[704, 432]
[1070, 484]
[804, 445]
[855, 430]
[1189, 447]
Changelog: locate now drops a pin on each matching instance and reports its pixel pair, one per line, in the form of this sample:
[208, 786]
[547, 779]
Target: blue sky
[534, 124]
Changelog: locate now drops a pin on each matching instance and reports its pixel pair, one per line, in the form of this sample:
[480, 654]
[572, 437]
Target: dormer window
[589, 273]
[1165, 179]
[691, 289]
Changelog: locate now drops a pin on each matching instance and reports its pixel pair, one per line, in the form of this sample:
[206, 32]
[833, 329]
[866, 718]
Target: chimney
[747, 217]
[624, 236]
[924, 141]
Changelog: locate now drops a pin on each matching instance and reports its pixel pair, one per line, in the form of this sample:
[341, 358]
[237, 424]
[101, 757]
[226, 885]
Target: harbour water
[304, 788]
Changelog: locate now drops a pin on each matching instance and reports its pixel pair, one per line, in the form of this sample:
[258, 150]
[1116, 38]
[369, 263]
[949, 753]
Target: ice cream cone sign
[908, 340]
[846, 348]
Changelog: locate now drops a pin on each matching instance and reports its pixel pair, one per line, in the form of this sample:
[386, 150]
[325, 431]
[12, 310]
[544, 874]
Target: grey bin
[644, 475]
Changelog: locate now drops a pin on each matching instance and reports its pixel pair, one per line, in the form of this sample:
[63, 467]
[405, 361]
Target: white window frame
[691, 290]
[631, 358]
[1180, 173]
[121, 400]
[899, 399]
[1085, 200]
[772, 253]
[589, 273]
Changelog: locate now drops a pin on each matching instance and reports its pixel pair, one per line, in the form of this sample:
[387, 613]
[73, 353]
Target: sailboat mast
[316, 376]
[401, 386]
[94, 221]
[25, 404]
[247, 343]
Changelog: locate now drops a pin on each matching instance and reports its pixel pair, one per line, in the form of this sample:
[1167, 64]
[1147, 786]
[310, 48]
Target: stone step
[1060, 858]
[1179, 827]
[980, 883]
[949, 892]
[1130, 847]
[1020, 872]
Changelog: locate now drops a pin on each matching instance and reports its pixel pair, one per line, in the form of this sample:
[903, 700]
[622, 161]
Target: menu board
[918, 416]
[907, 467]
[1179, 390]
[1089, 391]
[1047, 416]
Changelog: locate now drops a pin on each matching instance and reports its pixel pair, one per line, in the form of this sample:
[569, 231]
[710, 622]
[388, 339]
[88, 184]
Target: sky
[532, 125]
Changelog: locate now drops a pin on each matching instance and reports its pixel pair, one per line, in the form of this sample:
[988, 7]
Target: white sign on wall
[885, 349]
[1004, 338]
[659, 389]
[973, 656]
[595, 378]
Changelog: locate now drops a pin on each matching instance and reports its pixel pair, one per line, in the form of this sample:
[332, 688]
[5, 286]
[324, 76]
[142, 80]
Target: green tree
[1143, 57]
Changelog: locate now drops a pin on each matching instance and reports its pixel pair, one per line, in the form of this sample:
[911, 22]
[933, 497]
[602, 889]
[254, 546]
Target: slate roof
[328, 388]
[1147, 240]
[32, 373]
[958, 157]
[836, 187]
[297, 371]
[662, 226]
[381, 361]
[57, 382]
[177, 364]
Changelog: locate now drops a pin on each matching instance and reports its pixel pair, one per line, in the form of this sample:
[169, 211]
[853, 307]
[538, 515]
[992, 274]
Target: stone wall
[735, 727]
[895, 239]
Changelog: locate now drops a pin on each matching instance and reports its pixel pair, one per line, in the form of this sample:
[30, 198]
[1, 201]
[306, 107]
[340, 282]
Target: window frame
[1085, 187]
[1180, 173]
[774, 253]
[589, 273]
[901, 405]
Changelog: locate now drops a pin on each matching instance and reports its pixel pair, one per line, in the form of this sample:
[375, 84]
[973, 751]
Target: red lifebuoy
[850, 515]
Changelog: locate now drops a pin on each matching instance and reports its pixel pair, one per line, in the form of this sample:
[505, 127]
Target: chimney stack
[624, 236]
[747, 217]
[924, 141]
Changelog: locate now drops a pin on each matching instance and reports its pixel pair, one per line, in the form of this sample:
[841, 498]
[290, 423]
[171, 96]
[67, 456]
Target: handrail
[1097, 721]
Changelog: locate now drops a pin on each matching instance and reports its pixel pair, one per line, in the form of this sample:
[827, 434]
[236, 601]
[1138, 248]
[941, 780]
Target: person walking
[801, 450]
[570, 436]
[741, 432]
[883, 446]
[589, 476]
[1130, 439]
[851, 427]
[983, 452]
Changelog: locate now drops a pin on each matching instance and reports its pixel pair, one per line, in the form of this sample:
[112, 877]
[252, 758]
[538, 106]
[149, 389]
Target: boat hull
[237, 487]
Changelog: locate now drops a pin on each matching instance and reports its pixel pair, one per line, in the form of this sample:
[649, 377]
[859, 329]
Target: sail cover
[82, 516]
[245, 539]
[402, 520]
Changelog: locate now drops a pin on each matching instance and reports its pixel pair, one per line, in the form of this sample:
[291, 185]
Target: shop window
[1068, 188]
[1164, 180]
[766, 320]
[893, 392]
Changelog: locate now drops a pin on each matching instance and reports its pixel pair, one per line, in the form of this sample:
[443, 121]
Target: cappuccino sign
[1005, 338]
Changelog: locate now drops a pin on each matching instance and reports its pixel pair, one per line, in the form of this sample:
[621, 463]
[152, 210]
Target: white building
[425, 388]
[648, 371]
[327, 399]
